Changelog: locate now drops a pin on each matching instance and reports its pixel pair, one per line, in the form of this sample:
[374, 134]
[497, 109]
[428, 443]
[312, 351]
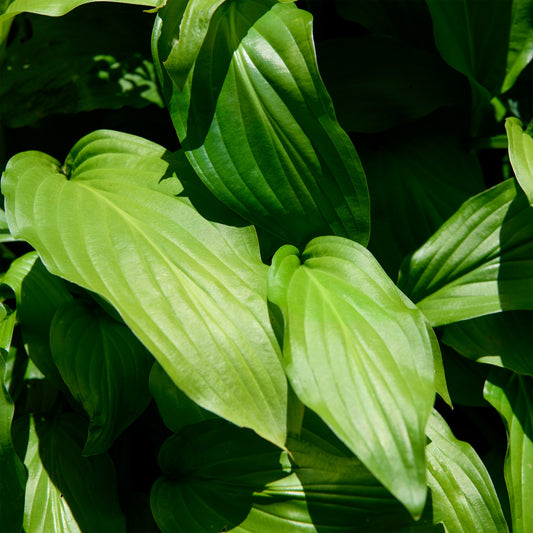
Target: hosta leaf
[464, 499]
[12, 473]
[255, 119]
[512, 396]
[5, 236]
[354, 344]
[480, 261]
[218, 477]
[521, 155]
[502, 339]
[66, 493]
[38, 294]
[191, 290]
[105, 367]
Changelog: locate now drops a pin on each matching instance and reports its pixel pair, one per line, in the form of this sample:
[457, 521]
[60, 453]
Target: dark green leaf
[256, 122]
[521, 155]
[464, 499]
[105, 367]
[193, 291]
[512, 396]
[479, 262]
[353, 343]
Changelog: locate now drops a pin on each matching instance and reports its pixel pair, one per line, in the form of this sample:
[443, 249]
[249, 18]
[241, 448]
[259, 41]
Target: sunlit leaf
[193, 291]
[255, 120]
[464, 499]
[105, 367]
[353, 344]
[521, 155]
[512, 396]
[480, 261]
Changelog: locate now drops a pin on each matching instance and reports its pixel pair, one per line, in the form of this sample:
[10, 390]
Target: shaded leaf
[105, 367]
[256, 122]
[66, 493]
[193, 291]
[464, 499]
[478, 262]
[352, 345]
[521, 155]
[512, 396]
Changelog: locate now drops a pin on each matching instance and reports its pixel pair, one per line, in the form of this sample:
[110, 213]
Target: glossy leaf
[521, 155]
[191, 290]
[464, 499]
[12, 472]
[66, 493]
[502, 339]
[176, 409]
[218, 477]
[512, 396]
[353, 344]
[478, 262]
[105, 367]
[255, 120]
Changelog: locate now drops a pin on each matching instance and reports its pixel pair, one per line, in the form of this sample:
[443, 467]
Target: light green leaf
[105, 367]
[66, 493]
[512, 396]
[193, 291]
[521, 155]
[520, 51]
[463, 496]
[12, 472]
[353, 344]
[502, 339]
[176, 409]
[5, 236]
[480, 261]
[256, 122]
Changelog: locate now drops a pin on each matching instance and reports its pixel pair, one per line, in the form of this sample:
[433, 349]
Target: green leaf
[193, 291]
[386, 82]
[66, 493]
[218, 477]
[12, 472]
[521, 155]
[5, 236]
[354, 344]
[105, 367]
[478, 262]
[503, 339]
[256, 122]
[512, 396]
[473, 39]
[464, 499]
[520, 51]
[176, 409]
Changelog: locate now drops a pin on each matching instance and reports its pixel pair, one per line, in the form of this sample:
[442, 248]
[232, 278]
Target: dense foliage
[303, 303]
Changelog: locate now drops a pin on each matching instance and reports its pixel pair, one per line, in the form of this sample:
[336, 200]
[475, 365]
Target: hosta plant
[307, 307]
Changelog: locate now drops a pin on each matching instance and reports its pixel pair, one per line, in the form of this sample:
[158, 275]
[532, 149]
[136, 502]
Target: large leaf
[221, 478]
[193, 291]
[66, 493]
[512, 396]
[502, 339]
[12, 473]
[521, 155]
[255, 119]
[480, 261]
[359, 354]
[105, 367]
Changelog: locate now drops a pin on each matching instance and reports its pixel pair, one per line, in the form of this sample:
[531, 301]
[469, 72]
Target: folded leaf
[105, 367]
[255, 120]
[193, 291]
[480, 261]
[359, 354]
[512, 396]
[66, 493]
[463, 496]
[521, 155]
